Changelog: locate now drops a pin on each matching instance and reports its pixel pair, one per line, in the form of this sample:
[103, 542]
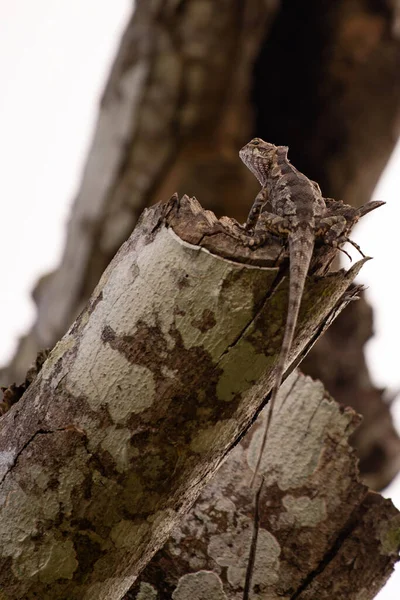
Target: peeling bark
[322, 533]
[182, 97]
[191, 83]
[140, 401]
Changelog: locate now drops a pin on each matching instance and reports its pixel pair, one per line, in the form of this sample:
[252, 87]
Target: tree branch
[321, 534]
[138, 404]
[192, 82]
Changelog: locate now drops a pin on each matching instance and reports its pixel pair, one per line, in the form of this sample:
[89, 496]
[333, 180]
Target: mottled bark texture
[192, 82]
[346, 375]
[322, 534]
[140, 401]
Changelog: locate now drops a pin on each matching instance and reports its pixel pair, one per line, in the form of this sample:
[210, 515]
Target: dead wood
[322, 534]
[191, 83]
[137, 405]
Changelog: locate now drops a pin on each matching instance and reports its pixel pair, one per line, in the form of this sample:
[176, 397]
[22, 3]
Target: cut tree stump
[138, 404]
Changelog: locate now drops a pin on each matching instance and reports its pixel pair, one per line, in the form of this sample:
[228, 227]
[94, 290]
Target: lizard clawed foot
[338, 243]
[346, 253]
[356, 246]
[256, 241]
[242, 226]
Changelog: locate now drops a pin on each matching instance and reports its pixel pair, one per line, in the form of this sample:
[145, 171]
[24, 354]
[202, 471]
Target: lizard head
[260, 156]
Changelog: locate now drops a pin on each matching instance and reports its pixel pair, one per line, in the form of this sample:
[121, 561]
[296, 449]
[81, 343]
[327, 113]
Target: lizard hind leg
[331, 229]
[342, 240]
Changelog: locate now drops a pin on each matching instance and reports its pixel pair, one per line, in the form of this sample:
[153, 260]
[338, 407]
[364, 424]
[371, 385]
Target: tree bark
[191, 83]
[322, 534]
[140, 401]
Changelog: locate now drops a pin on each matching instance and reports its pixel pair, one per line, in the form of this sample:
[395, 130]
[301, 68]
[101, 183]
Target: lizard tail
[301, 250]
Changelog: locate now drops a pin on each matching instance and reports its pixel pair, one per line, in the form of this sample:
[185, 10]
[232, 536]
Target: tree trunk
[192, 82]
[137, 405]
[322, 534]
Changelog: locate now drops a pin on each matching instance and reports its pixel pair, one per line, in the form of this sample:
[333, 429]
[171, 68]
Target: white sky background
[54, 58]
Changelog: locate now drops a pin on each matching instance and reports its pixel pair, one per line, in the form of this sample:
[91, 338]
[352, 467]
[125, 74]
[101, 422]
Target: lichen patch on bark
[199, 586]
[138, 404]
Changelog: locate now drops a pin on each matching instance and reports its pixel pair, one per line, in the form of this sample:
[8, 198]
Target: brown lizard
[297, 211]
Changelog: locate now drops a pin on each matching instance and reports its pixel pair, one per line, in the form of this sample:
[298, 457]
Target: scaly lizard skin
[297, 211]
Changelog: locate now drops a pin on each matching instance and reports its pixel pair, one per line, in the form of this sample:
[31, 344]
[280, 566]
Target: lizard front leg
[267, 223]
[261, 199]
